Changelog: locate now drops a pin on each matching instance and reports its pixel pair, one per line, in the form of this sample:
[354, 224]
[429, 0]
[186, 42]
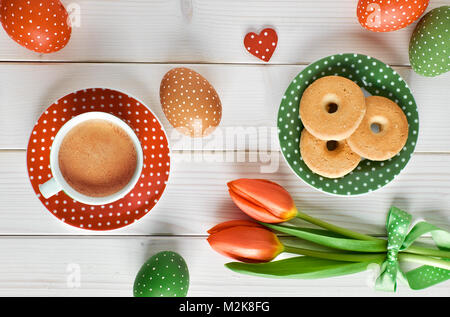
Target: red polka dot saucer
[155, 172]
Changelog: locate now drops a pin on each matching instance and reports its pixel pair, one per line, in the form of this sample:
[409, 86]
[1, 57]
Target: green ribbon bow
[399, 239]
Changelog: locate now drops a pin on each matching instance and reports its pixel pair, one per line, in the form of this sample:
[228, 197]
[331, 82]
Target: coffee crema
[97, 158]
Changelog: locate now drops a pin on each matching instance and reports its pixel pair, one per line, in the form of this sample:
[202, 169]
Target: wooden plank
[197, 199]
[107, 267]
[250, 95]
[213, 31]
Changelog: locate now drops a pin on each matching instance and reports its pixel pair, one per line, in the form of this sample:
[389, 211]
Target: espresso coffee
[97, 158]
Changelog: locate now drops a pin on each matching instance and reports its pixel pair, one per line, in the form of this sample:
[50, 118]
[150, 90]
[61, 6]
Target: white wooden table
[129, 45]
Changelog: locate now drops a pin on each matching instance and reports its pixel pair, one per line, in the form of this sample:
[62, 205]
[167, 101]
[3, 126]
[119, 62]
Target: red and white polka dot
[389, 15]
[41, 26]
[155, 172]
[262, 45]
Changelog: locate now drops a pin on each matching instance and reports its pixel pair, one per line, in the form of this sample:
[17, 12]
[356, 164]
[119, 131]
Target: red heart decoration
[262, 45]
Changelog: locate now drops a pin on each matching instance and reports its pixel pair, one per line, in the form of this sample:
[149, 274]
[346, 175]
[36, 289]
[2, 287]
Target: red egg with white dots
[389, 15]
[42, 26]
[190, 102]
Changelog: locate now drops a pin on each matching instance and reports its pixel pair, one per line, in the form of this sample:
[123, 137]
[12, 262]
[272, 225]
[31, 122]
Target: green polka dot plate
[377, 79]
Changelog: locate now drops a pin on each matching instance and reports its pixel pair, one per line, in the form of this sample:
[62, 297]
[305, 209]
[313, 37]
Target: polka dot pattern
[429, 47]
[389, 15]
[378, 79]
[427, 276]
[163, 275]
[190, 102]
[262, 45]
[41, 26]
[397, 226]
[154, 143]
[400, 237]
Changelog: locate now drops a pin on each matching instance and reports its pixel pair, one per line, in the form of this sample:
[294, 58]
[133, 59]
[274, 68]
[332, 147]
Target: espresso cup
[58, 182]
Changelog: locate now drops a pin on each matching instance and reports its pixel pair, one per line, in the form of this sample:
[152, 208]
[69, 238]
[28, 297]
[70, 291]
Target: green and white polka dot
[378, 79]
[400, 237]
[429, 48]
[163, 275]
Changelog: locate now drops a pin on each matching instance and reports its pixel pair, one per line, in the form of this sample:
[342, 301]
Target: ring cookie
[330, 159]
[332, 108]
[383, 132]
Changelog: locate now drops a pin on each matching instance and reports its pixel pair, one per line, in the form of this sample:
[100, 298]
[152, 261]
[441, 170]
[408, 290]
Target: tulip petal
[247, 244]
[233, 223]
[267, 195]
[231, 255]
[254, 211]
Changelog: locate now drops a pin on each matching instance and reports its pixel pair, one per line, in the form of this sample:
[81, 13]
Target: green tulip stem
[376, 257]
[426, 260]
[426, 251]
[336, 229]
[355, 235]
[413, 250]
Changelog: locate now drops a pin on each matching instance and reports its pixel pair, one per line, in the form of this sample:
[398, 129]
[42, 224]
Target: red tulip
[263, 200]
[245, 241]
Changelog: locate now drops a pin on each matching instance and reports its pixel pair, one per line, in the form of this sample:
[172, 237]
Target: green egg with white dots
[429, 48]
[165, 274]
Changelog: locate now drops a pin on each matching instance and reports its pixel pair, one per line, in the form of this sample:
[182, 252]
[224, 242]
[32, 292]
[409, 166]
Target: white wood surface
[129, 45]
[197, 198]
[213, 30]
[250, 95]
[107, 267]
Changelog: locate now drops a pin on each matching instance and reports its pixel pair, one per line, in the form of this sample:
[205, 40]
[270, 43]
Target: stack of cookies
[342, 127]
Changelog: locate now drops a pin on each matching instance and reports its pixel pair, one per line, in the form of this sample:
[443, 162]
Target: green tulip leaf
[327, 240]
[302, 267]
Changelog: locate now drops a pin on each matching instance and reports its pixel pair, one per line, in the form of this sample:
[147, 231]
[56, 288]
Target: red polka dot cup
[58, 183]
